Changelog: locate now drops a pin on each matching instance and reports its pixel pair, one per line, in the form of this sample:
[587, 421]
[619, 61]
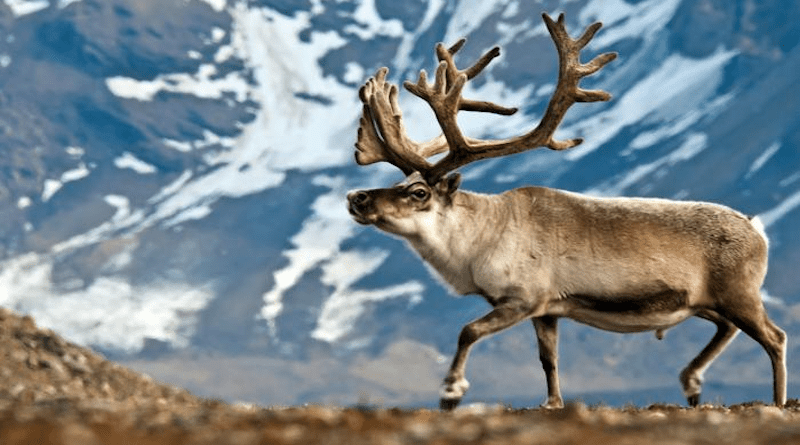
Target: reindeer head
[427, 188]
[405, 209]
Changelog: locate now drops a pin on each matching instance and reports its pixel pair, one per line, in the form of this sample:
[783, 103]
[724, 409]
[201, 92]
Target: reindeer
[618, 264]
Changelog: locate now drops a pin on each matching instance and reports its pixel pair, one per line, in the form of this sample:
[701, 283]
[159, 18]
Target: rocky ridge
[55, 392]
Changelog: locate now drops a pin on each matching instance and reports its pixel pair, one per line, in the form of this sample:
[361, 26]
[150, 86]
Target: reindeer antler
[382, 136]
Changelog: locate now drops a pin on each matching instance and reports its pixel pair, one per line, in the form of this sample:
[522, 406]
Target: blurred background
[173, 174]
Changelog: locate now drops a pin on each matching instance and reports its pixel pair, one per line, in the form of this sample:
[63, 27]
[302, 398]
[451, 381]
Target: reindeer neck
[470, 225]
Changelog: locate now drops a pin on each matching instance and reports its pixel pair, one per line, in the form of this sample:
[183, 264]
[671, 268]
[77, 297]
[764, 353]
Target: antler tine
[446, 55]
[570, 72]
[458, 45]
[482, 63]
[382, 137]
[381, 134]
[370, 148]
[588, 35]
[567, 92]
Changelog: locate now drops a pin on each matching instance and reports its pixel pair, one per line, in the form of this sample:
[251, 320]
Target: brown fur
[620, 264]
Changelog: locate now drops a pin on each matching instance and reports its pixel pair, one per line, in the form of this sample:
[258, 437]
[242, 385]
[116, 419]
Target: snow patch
[524, 30]
[24, 202]
[216, 5]
[354, 73]
[625, 21]
[204, 84]
[763, 158]
[692, 146]
[189, 214]
[341, 311]
[403, 56]
[317, 241]
[49, 188]
[770, 299]
[791, 179]
[278, 139]
[24, 7]
[121, 203]
[786, 206]
[122, 219]
[317, 245]
[64, 3]
[181, 146]
[469, 15]
[75, 152]
[283, 67]
[217, 34]
[172, 188]
[109, 312]
[677, 87]
[52, 186]
[371, 24]
[75, 174]
[667, 130]
[129, 161]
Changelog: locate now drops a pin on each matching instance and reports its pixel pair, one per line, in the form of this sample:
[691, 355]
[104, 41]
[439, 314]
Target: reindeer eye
[420, 194]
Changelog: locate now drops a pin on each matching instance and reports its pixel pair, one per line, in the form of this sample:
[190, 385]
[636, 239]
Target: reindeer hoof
[552, 405]
[451, 392]
[448, 404]
[693, 400]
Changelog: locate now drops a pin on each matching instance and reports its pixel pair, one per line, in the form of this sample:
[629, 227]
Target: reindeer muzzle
[360, 204]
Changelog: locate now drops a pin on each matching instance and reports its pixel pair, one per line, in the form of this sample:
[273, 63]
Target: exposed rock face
[38, 365]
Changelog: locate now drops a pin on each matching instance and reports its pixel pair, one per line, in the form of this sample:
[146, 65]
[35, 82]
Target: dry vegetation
[57, 393]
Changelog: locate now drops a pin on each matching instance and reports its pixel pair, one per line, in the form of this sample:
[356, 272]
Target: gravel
[55, 392]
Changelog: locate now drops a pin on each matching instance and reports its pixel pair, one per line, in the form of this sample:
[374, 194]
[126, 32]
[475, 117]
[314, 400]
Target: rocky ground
[54, 392]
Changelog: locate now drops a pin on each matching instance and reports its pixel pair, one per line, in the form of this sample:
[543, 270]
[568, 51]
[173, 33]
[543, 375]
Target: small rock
[57, 370]
[769, 412]
[78, 434]
[77, 363]
[32, 361]
[16, 390]
[27, 324]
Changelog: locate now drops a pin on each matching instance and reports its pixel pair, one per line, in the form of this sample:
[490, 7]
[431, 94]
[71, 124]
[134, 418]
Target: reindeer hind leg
[758, 326]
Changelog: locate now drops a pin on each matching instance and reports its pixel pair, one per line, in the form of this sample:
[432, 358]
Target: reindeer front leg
[547, 336]
[507, 313]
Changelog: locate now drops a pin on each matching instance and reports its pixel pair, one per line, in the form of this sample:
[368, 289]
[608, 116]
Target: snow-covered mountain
[173, 176]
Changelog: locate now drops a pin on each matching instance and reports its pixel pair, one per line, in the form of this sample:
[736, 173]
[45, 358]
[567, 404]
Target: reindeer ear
[449, 185]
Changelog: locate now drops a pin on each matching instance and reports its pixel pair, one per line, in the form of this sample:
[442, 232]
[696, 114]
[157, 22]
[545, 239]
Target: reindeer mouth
[358, 217]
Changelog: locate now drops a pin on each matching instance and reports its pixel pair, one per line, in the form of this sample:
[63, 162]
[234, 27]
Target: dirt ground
[54, 392]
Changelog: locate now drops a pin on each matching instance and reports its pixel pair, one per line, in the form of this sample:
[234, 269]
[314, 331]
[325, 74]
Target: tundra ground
[54, 392]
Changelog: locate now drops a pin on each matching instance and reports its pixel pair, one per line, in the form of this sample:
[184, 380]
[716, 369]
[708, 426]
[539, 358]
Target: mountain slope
[173, 175]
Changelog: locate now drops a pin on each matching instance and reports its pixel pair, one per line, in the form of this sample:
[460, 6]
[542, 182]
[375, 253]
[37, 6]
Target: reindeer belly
[630, 313]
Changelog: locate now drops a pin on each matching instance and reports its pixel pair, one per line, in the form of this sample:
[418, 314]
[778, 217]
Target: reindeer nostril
[359, 198]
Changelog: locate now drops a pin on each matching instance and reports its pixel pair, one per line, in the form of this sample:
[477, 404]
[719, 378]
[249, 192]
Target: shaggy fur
[619, 264]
